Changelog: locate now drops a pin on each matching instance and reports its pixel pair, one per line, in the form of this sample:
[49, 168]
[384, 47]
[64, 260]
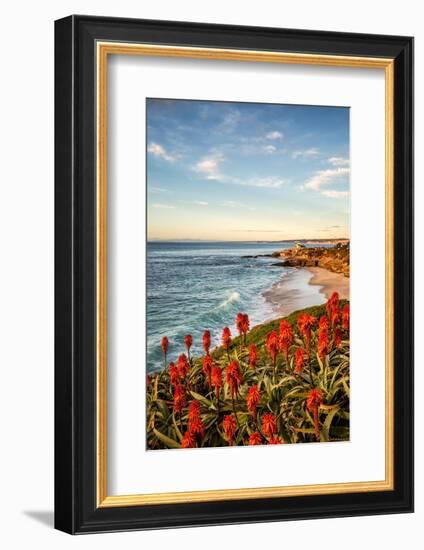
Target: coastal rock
[335, 258]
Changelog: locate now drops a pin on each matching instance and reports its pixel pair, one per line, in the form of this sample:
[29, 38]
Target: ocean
[198, 286]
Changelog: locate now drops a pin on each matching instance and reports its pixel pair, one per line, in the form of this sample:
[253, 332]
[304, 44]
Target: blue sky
[246, 171]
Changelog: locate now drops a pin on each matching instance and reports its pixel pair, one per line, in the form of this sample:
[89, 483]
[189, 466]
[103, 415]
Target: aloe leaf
[171, 443]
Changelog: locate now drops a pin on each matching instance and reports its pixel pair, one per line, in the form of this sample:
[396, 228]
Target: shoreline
[329, 281]
[305, 287]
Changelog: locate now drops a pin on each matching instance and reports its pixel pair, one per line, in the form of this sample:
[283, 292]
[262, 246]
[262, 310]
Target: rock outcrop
[334, 259]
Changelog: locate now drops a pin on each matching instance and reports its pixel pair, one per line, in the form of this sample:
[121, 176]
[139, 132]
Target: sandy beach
[305, 287]
[329, 282]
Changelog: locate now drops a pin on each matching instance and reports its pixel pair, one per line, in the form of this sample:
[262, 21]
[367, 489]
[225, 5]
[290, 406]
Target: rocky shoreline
[334, 259]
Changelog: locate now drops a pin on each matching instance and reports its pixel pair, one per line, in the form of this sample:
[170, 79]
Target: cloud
[338, 161]
[269, 149]
[159, 151]
[164, 206]
[274, 135]
[154, 189]
[325, 177]
[209, 167]
[270, 182]
[197, 203]
[305, 153]
[332, 194]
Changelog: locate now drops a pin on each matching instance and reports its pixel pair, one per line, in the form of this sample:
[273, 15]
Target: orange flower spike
[239, 323]
[252, 400]
[313, 402]
[188, 341]
[206, 341]
[286, 337]
[324, 323]
[207, 368]
[323, 343]
[216, 379]
[173, 374]
[255, 438]
[164, 344]
[269, 425]
[183, 365]
[233, 377]
[189, 440]
[193, 410]
[272, 345]
[253, 357]
[332, 303]
[226, 338]
[179, 398]
[299, 360]
[229, 428]
[305, 324]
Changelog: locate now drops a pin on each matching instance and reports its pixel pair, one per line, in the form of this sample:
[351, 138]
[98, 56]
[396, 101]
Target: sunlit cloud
[269, 149]
[333, 194]
[338, 161]
[159, 152]
[306, 153]
[209, 167]
[325, 177]
[274, 135]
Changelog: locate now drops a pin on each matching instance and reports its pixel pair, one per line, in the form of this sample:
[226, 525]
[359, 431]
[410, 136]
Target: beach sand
[305, 287]
[329, 282]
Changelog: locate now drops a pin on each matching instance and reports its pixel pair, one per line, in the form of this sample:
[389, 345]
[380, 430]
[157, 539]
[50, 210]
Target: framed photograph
[234, 274]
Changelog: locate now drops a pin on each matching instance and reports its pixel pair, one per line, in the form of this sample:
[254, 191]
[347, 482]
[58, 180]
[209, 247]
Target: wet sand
[305, 287]
[329, 282]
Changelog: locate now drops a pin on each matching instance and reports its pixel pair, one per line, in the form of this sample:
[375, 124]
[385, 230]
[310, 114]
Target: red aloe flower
[226, 338]
[253, 357]
[275, 440]
[148, 380]
[183, 365]
[233, 377]
[323, 343]
[179, 398]
[165, 344]
[286, 337]
[252, 400]
[245, 325]
[189, 440]
[269, 425]
[299, 360]
[193, 410]
[313, 402]
[206, 340]
[239, 323]
[345, 317]
[255, 438]
[332, 303]
[305, 324]
[188, 341]
[229, 427]
[239, 326]
[324, 323]
[217, 380]
[272, 346]
[207, 368]
[197, 428]
[173, 374]
[335, 317]
[338, 337]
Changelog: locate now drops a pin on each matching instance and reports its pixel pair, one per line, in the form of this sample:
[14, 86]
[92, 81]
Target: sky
[246, 171]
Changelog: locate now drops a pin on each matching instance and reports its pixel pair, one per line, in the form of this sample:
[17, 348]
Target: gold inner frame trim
[104, 49]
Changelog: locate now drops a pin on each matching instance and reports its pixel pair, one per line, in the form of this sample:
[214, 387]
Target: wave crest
[232, 299]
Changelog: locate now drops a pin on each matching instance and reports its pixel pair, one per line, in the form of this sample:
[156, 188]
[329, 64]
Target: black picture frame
[75, 275]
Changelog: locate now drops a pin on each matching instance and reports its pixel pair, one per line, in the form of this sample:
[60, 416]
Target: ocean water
[198, 286]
